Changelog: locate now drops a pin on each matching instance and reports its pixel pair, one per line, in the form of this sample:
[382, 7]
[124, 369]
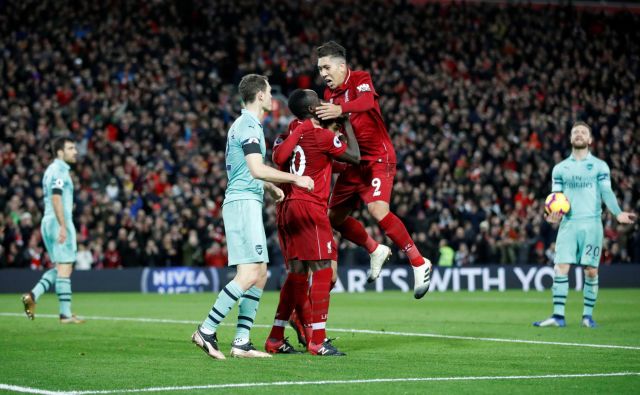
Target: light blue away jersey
[586, 183]
[57, 178]
[247, 129]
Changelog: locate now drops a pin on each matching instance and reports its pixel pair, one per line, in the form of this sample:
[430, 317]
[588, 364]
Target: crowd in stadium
[478, 101]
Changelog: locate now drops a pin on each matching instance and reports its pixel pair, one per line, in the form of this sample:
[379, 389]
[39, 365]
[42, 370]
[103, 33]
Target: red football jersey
[279, 140]
[313, 157]
[368, 126]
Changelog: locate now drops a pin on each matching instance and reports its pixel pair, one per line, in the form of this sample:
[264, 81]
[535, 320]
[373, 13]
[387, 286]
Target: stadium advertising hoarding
[351, 279]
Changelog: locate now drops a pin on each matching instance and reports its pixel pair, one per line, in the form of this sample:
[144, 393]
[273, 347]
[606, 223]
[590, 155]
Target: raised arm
[282, 152]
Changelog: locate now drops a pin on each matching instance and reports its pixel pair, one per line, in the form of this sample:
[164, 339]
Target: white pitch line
[322, 382]
[362, 331]
[27, 390]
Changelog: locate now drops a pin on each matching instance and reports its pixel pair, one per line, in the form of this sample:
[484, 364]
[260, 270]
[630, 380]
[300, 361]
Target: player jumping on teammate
[352, 92]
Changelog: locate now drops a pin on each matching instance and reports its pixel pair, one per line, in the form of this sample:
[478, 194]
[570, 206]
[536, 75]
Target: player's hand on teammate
[626, 218]
[328, 111]
[62, 235]
[554, 218]
[305, 182]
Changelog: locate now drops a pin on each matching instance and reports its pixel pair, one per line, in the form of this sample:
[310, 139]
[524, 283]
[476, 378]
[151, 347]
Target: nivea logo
[177, 280]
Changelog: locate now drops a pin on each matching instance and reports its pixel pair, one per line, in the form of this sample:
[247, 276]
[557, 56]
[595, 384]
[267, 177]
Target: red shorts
[308, 234]
[370, 181]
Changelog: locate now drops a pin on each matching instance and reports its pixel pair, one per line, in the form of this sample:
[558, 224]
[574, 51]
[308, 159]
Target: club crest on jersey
[364, 88]
[336, 142]
[259, 249]
[329, 247]
[589, 166]
[58, 183]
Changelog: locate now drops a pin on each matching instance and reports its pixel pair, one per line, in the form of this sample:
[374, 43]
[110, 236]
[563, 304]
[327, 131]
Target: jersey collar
[62, 164]
[573, 158]
[252, 116]
[343, 86]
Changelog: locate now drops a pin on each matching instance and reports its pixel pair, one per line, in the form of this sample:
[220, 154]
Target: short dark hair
[581, 123]
[332, 49]
[299, 102]
[58, 144]
[250, 85]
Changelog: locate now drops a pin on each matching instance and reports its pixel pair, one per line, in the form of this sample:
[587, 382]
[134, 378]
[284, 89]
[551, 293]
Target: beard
[581, 145]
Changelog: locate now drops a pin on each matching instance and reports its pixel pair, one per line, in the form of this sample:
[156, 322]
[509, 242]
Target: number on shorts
[303, 161]
[591, 250]
[376, 183]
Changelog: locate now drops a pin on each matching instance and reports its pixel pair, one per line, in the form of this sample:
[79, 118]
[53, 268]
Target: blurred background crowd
[478, 99]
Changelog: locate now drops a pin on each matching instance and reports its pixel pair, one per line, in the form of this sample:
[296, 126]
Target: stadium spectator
[478, 100]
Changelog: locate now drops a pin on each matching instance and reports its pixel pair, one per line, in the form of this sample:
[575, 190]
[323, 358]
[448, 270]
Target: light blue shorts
[579, 242]
[244, 228]
[59, 253]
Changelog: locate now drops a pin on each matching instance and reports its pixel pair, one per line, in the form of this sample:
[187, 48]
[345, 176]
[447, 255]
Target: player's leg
[254, 281]
[286, 305]
[319, 296]
[566, 246]
[296, 278]
[559, 292]
[300, 319]
[591, 259]
[251, 278]
[343, 200]
[65, 255]
[377, 195]
[244, 252]
[48, 279]
[64, 293]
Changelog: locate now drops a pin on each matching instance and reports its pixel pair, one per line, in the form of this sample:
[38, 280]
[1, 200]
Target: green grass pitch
[114, 355]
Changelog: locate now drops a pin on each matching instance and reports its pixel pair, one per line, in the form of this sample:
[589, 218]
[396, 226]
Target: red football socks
[319, 296]
[290, 289]
[395, 229]
[352, 230]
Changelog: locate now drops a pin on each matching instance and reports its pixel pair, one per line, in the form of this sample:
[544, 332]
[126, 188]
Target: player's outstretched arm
[352, 154]
[263, 172]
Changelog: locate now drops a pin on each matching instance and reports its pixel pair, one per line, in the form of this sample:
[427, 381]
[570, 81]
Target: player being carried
[586, 182]
[308, 238]
[351, 92]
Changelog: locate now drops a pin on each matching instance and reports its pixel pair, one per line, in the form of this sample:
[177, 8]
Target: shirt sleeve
[330, 143]
[364, 96]
[604, 183]
[283, 147]
[249, 136]
[57, 183]
[557, 183]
